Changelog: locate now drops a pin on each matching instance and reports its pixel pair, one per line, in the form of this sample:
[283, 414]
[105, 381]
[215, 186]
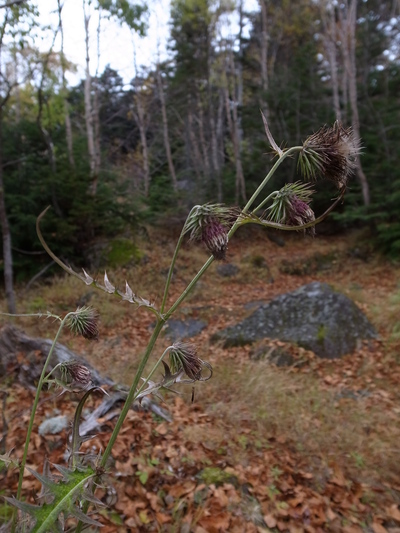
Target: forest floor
[313, 447]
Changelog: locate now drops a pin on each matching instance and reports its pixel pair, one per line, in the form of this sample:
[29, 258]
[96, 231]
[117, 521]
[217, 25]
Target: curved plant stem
[173, 261]
[132, 392]
[188, 288]
[32, 417]
[261, 205]
[152, 372]
[39, 315]
[288, 152]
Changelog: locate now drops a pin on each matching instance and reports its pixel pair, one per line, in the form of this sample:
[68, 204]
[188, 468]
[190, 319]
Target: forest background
[109, 157]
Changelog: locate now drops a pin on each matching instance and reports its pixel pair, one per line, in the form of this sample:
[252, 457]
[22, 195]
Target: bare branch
[269, 136]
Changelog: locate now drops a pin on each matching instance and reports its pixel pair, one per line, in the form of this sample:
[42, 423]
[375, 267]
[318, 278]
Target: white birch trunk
[88, 110]
[167, 144]
[141, 122]
[68, 126]
[351, 68]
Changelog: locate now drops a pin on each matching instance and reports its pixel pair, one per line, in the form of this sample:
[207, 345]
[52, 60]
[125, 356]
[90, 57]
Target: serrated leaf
[65, 495]
[77, 513]
[45, 480]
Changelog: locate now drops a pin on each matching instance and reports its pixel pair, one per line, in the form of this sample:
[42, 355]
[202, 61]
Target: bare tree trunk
[89, 111]
[68, 134]
[5, 227]
[140, 118]
[205, 151]
[330, 40]
[352, 74]
[167, 144]
[216, 131]
[264, 47]
[194, 147]
[5, 232]
[45, 133]
[68, 127]
[96, 129]
[233, 124]
[345, 74]
[96, 106]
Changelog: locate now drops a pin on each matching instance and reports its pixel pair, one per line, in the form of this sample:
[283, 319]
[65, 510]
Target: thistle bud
[75, 374]
[215, 237]
[184, 356]
[298, 212]
[291, 206]
[84, 321]
[331, 153]
[209, 224]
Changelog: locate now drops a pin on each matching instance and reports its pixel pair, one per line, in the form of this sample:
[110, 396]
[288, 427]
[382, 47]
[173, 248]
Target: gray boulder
[316, 317]
[181, 329]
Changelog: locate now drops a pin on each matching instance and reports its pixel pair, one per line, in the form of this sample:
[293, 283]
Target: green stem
[132, 391]
[261, 205]
[39, 315]
[191, 285]
[127, 405]
[51, 372]
[152, 372]
[236, 225]
[288, 152]
[33, 412]
[171, 268]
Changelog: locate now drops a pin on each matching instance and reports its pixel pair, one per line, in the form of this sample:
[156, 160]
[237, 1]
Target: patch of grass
[122, 252]
[295, 406]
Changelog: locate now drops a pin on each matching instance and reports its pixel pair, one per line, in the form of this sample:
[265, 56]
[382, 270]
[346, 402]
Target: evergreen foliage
[201, 87]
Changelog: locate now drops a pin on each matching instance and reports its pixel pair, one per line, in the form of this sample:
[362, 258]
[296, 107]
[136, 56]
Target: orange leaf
[394, 512]
[378, 528]
[270, 520]
[163, 518]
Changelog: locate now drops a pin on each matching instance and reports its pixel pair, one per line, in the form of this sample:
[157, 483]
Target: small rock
[53, 425]
[227, 270]
[181, 329]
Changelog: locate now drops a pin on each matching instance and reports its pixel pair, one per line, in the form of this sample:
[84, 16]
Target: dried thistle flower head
[184, 356]
[215, 237]
[209, 223]
[331, 153]
[84, 321]
[75, 373]
[299, 213]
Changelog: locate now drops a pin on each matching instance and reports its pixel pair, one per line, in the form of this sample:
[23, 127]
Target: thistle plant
[329, 153]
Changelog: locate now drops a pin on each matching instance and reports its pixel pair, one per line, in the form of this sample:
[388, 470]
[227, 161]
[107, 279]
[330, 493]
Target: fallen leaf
[394, 512]
[270, 520]
[378, 528]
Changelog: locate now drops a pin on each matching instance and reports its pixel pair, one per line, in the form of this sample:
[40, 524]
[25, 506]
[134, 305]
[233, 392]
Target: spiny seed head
[298, 212]
[291, 205]
[210, 223]
[184, 356]
[75, 373]
[84, 321]
[215, 237]
[331, 153]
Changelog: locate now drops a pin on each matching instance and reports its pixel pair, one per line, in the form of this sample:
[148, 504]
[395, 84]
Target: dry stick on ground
[13, 341]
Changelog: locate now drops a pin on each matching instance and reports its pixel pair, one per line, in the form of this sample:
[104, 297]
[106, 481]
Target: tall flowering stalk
[330, 153]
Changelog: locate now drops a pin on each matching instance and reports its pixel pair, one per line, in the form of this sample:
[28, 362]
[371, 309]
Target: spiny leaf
[65, 494]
